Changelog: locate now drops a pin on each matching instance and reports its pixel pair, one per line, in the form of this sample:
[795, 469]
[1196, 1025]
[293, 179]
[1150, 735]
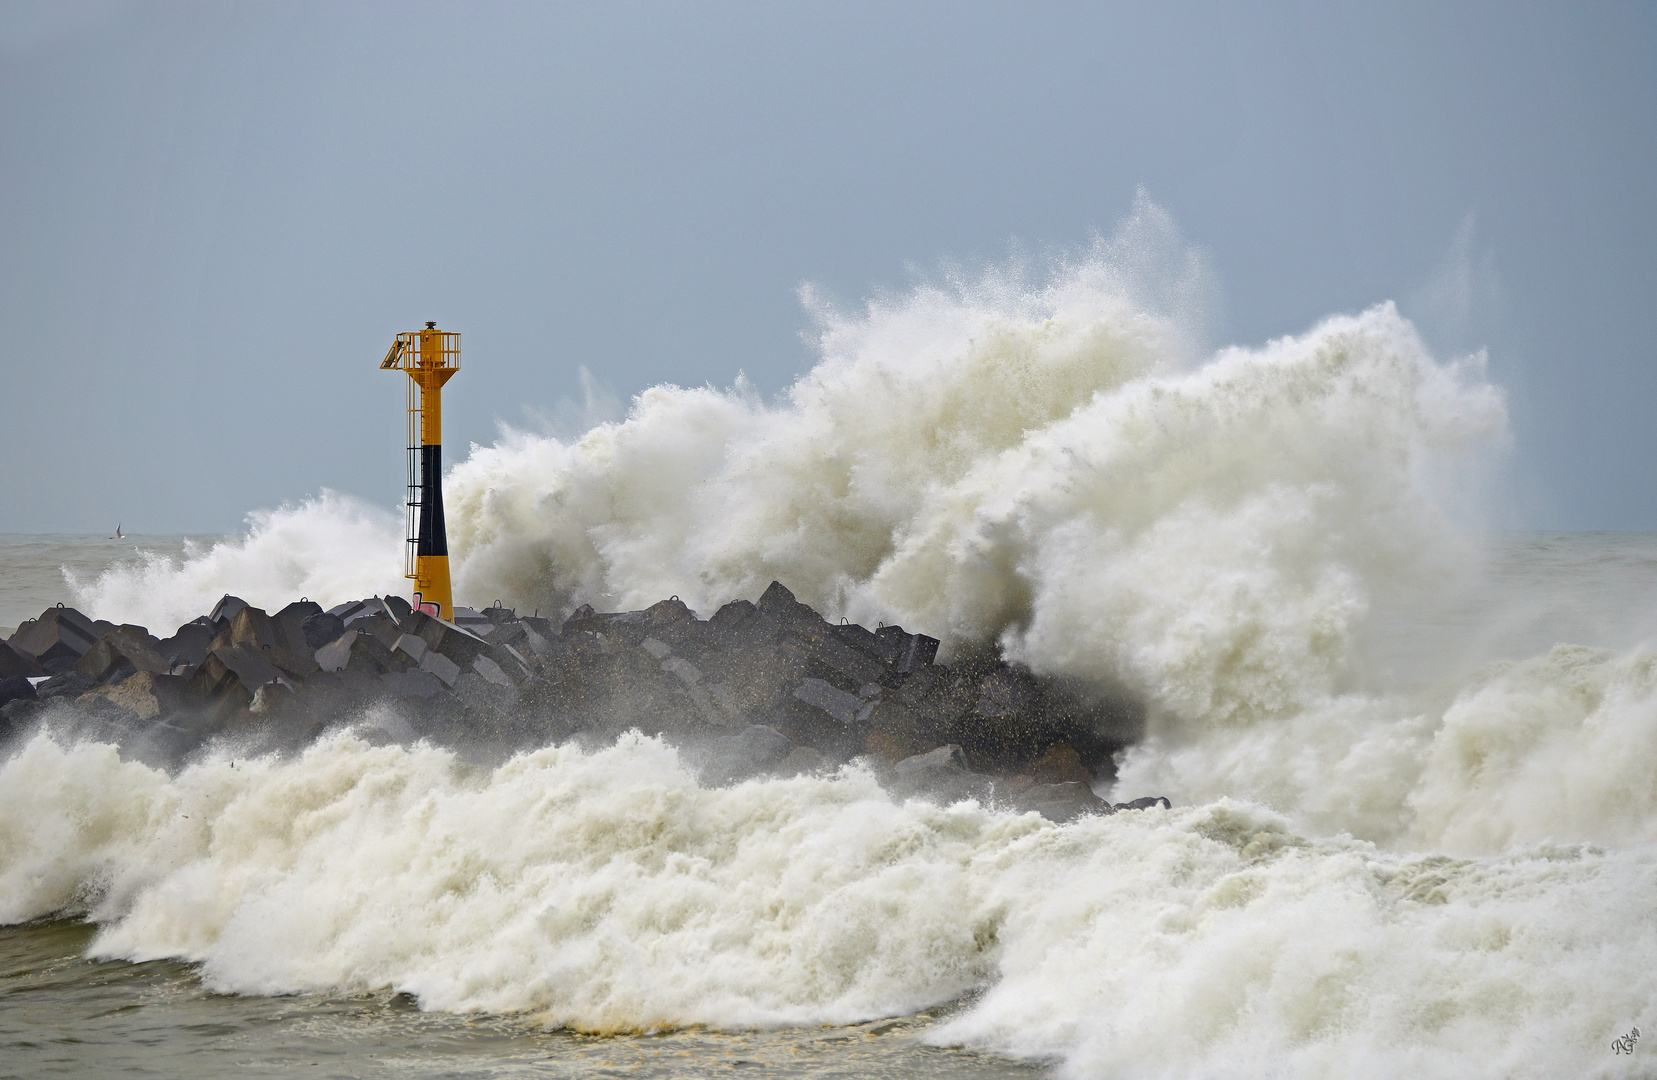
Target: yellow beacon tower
[430, 356]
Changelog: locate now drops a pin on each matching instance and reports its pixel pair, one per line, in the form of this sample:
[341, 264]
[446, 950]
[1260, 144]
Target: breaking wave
[607, 891]
[1361, 877]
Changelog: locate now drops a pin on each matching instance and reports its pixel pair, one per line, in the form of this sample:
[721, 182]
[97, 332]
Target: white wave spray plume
[1397, 880]
[328, 548]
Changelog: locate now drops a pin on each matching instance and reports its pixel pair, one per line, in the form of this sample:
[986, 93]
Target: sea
[1411, 755]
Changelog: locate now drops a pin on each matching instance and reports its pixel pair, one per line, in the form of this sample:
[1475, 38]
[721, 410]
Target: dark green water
[62, 1014]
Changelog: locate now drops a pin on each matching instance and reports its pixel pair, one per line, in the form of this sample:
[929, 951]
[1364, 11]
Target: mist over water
[1397, 848]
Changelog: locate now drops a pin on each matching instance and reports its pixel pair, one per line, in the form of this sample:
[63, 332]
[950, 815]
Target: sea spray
[608, 891]
[329, 548]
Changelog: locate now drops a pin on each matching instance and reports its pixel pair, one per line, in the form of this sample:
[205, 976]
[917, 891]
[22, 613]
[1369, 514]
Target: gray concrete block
[445, 637]
[416, 684]
[320, 629]
[17, 664]
[128, 648]
[58, 639]
[226, 608]
[229, 675]
[146, 694]
[446, 670]
[189, 645]
[359, 650]
[847, 708]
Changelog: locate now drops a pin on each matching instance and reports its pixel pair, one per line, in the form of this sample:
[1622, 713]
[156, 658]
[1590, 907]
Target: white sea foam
[608, 891]
[1368, 876]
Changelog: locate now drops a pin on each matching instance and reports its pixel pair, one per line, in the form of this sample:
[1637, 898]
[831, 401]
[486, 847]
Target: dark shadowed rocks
[766, 687]
[14, 663]
[16, 688]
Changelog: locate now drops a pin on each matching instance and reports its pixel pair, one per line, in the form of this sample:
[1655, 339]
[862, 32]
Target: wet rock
[70, 684]
[941, 773]
[17, 715]
[754, 750]
[16, 688]
[1061, 802]
[417, 684]
[582, 620]
[847, 708]
[1146, 803]
[1060, 764]
[226, 608]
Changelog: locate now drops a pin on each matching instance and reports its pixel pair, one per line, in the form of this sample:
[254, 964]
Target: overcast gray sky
[214, 217]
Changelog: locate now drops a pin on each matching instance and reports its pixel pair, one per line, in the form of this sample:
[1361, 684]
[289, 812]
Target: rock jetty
[762, 687]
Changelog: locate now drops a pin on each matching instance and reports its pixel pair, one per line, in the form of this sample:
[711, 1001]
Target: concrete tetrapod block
[412, 684]
[128, 648]
[918, 653]
[189, 645]
[353, 610]
[826, 649]
[226, 608]
[359, 650]
[493, 672]
[15, 663]
[229, 675]
[251, 627]
[460, 646]
[147, 695]
[59, 638]
[485, 695]
[754, 750]
[320, 629]
[583, 619]
[299, 610]
[849, 709]
[414, 648]
[1149, 802]
[472, 620]
[446, 670]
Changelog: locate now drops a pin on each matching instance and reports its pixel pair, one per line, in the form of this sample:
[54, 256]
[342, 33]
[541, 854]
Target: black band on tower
[434, 537]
